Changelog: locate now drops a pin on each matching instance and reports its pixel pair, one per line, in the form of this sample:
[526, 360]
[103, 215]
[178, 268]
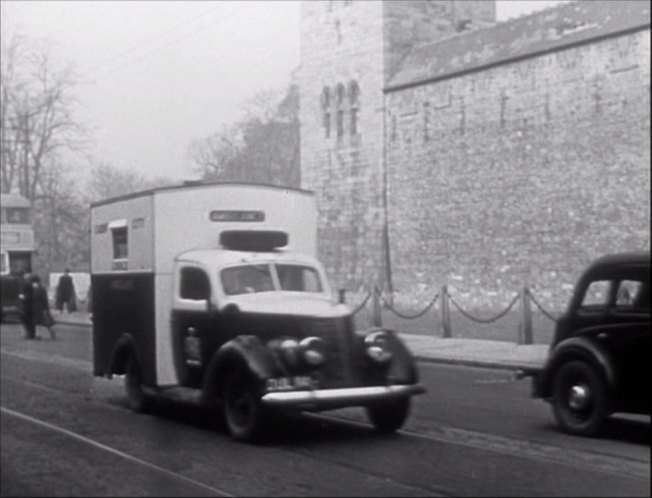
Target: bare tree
[108, 181]
[263, 148]
[36, 113]
[61, 220]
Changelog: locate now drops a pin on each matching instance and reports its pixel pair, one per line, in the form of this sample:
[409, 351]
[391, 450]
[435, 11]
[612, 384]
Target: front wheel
[138, 401]
[388, 417]
[579, 399]
[243, 410]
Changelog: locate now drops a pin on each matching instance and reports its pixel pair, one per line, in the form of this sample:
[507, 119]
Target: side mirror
[341, 296]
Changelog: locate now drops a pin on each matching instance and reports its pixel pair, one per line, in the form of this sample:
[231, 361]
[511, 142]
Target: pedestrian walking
[65, 294]
[27, 299]
[41, 315]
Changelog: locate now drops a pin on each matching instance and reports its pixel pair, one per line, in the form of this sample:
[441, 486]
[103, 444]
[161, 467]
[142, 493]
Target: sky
[155, 75]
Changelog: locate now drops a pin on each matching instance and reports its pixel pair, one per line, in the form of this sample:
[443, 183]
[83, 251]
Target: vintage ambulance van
[212, 293]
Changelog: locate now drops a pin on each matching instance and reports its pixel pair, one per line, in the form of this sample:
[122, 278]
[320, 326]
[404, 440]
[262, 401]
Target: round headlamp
[289, 349]
[378, 348]
[313, 351]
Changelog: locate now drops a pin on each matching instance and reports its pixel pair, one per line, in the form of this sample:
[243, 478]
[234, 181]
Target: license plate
[291, 383]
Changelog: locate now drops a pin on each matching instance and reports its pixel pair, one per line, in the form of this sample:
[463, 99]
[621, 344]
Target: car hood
[289, 303]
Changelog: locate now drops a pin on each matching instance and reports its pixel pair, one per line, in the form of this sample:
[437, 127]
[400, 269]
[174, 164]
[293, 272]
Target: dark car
[599, 359]
[10, 303]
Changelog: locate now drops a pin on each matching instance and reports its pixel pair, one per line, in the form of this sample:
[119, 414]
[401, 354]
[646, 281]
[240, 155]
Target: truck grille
[336, 333]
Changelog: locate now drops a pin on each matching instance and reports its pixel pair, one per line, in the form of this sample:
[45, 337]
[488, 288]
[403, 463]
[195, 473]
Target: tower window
[340, 124]
[325, 102]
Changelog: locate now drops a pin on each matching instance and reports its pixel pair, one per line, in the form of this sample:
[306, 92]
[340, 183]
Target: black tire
[137, 399]
[579, 398]
[388, 417]
[243, 411]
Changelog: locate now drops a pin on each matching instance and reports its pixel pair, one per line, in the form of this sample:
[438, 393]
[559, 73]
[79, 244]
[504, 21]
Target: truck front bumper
[324, 399]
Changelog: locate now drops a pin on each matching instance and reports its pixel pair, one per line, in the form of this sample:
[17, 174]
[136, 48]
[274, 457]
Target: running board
[176, 393]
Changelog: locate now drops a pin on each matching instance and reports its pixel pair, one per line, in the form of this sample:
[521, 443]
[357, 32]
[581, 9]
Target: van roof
[192, 185]
[222, 257]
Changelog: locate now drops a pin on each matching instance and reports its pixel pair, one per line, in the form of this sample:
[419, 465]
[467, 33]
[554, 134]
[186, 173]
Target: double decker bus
[16, 249]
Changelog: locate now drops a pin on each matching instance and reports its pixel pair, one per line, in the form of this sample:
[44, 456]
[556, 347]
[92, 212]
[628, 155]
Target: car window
[597, 294]
[194, 284]
[247, 279]
[628, 291]
[298, 278]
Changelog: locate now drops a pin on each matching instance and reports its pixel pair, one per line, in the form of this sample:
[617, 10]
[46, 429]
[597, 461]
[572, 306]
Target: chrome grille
[334, 331]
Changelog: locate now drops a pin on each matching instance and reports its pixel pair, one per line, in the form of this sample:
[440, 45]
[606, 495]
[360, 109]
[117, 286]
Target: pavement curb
[477, 363]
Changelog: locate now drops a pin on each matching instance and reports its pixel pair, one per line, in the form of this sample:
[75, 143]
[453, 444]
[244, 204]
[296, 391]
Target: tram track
[579, 459]
[114, 451]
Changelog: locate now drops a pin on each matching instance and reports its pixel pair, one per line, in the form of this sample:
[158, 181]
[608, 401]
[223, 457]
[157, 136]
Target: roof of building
[544, 31]
[14, 200]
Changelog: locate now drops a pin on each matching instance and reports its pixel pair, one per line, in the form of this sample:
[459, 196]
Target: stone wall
[340, 43]
[521, 173]
[358, 41]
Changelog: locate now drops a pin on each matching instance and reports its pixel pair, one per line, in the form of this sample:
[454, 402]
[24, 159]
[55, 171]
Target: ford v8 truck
[212, 294]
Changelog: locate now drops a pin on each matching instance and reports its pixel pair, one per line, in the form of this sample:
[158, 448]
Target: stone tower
[349, 50]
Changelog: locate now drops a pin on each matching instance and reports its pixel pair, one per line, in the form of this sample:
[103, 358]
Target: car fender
[403, 369]
[244, 351]
[576, 348]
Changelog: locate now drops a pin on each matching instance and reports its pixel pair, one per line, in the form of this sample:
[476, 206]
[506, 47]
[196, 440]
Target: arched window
[325, 102]
[340, 95]
[354, 93]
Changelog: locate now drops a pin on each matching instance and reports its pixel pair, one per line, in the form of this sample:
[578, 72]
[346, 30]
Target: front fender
[403, 369]
[244, 351]
[579, 348]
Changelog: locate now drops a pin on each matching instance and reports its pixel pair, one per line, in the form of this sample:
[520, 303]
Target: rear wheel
[138, 401]
[389, 416]
[243, 410]
[579, 399]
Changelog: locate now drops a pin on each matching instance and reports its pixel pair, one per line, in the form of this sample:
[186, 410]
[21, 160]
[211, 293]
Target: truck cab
[228, 306]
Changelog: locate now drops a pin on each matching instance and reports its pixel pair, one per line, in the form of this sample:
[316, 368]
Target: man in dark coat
[41, 307]
[27, 297]
[65, 292]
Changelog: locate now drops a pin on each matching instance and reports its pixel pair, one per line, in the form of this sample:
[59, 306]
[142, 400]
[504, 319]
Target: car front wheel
[388, 417]
[243, 411]
[579, 398]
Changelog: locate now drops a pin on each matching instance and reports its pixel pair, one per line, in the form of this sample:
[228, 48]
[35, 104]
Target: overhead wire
[149, 40]
[172, 42]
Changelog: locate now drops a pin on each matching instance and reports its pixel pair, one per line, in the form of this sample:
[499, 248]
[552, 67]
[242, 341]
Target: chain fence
[381, 302]
[541, 309]
[391, 308]
[484, 320]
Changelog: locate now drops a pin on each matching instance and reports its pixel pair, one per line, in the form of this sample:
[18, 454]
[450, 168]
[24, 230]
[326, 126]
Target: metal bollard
[525, 332]
[445, 314]
[377, 318]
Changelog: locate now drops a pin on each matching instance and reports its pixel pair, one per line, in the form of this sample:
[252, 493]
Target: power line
[173, 41]
[149, 40]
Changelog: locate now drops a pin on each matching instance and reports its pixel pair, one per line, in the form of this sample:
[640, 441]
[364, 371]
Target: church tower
[349, 50]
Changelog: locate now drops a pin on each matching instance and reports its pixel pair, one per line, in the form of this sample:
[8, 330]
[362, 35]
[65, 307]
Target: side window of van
[194, 284]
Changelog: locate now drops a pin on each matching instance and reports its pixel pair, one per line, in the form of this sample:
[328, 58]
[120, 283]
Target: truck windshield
[246, 279]
[298, 278]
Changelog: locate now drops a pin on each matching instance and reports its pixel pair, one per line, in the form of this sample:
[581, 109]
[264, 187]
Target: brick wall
[520, 174]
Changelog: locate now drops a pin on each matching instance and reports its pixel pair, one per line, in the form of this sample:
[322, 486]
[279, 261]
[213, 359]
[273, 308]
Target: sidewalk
[470, 352]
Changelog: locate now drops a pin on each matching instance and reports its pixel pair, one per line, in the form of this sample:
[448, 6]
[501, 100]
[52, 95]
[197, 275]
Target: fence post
[445, 313]
[525, 335]
[376, 316]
